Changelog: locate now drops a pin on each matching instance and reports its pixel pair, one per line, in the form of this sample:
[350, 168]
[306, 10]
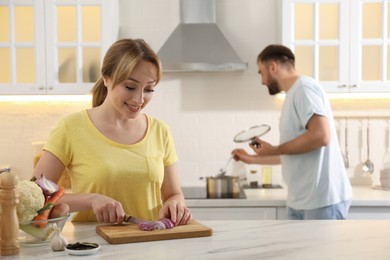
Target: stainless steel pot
[222, 187]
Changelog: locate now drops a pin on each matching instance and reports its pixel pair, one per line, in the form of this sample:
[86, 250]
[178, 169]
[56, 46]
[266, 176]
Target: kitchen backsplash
[203, 137]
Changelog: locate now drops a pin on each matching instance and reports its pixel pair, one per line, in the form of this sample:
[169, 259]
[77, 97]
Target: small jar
[266, 177]
[253, 179]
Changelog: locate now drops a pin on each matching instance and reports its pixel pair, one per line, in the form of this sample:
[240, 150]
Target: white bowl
[83, 251]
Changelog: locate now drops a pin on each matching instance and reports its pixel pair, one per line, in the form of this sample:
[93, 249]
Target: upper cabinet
[54, 47]
[344, 44]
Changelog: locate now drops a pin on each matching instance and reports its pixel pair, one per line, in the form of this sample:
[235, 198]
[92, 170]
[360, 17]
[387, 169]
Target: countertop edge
[363, 196]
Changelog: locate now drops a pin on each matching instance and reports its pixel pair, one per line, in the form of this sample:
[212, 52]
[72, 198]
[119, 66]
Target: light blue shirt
[318, 178]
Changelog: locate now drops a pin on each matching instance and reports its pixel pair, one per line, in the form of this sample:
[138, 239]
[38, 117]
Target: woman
[120, 160]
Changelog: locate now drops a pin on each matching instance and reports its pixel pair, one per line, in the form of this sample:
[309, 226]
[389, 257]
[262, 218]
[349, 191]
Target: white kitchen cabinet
[280, 213]
[355, 212]
[367, 203]
[344, 44]
[233, 213]
[54, 47]
[365, 212]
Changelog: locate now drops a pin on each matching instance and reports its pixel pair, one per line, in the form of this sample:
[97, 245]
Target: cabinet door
[22, 65]
[314, 31]
[238, 213]
[370, 56]
[54, 47]
[76, 43]
[343, 44]
[361, 212]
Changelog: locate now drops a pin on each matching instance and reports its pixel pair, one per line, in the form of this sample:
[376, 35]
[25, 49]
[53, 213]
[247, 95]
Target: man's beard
[273, 87]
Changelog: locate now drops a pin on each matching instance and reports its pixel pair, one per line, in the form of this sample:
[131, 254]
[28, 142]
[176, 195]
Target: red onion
[48, 187]
[168, 223]
[152, 225]
[164, 223]
[145, 226]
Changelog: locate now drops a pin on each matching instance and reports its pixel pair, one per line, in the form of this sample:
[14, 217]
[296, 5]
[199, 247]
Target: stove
[198, 192]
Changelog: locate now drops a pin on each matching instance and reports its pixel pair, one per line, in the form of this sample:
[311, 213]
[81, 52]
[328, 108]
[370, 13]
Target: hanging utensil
[368, 166]
[386, 156]
[346, 156]
[388, 137]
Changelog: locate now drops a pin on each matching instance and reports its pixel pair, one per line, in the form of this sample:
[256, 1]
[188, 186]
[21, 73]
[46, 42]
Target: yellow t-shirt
[131, 174]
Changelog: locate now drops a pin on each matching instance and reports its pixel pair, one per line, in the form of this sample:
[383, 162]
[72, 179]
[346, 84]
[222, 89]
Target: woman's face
[130, 96]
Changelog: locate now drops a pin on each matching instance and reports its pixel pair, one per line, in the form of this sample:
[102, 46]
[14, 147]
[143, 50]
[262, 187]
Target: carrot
[43, 213]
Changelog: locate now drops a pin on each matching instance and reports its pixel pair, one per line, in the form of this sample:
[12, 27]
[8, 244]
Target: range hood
[197, 44]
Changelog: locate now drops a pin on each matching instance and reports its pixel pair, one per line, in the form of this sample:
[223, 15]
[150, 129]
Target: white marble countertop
[252, 239]
[362, 196]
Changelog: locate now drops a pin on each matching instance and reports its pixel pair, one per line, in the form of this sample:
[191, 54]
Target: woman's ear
[106, 80]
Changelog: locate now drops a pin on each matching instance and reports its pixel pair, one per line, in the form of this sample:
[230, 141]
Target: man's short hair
[278, 53]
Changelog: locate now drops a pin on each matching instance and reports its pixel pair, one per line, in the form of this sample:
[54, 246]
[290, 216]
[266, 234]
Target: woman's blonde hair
[119, 62]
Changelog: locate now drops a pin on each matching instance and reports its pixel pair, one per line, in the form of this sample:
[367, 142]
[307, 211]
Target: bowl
[41, 231]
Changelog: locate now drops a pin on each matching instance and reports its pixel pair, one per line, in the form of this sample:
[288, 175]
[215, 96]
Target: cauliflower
[31, 200]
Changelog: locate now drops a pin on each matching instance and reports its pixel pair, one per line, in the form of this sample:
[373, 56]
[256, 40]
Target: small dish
[83, 251]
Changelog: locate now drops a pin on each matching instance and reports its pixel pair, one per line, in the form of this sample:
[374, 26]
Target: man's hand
[262, 148]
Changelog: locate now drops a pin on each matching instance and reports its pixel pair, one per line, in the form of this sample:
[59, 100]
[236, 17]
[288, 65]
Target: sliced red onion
[158, 225]
[168, 223]
[151, 225]
[164, 223]
[146, 226]
[48, 187]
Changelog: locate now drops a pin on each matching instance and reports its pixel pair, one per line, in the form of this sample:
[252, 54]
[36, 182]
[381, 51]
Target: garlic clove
[58, 242]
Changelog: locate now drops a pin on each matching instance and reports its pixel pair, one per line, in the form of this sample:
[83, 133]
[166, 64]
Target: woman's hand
[107, 210]
[176, 211]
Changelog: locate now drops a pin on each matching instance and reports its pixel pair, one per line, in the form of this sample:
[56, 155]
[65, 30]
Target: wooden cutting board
[130, 233]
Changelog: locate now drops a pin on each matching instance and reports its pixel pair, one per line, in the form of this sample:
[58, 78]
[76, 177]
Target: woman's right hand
[106, 209]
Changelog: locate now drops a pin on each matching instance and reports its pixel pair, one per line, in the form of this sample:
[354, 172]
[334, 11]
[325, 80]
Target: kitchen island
[233, 239]
[367, 203]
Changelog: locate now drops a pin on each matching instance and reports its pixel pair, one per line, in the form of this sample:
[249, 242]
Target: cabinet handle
[353, 86]
[50, 87]
[342, 86]
[41, 88]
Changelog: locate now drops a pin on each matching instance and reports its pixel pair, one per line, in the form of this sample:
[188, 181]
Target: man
[312, 166]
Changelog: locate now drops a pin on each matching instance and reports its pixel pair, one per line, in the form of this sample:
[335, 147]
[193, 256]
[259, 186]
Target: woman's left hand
[176, 211]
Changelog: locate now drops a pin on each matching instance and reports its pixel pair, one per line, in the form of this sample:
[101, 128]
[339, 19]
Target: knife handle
[127, 218]
[131, 219]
